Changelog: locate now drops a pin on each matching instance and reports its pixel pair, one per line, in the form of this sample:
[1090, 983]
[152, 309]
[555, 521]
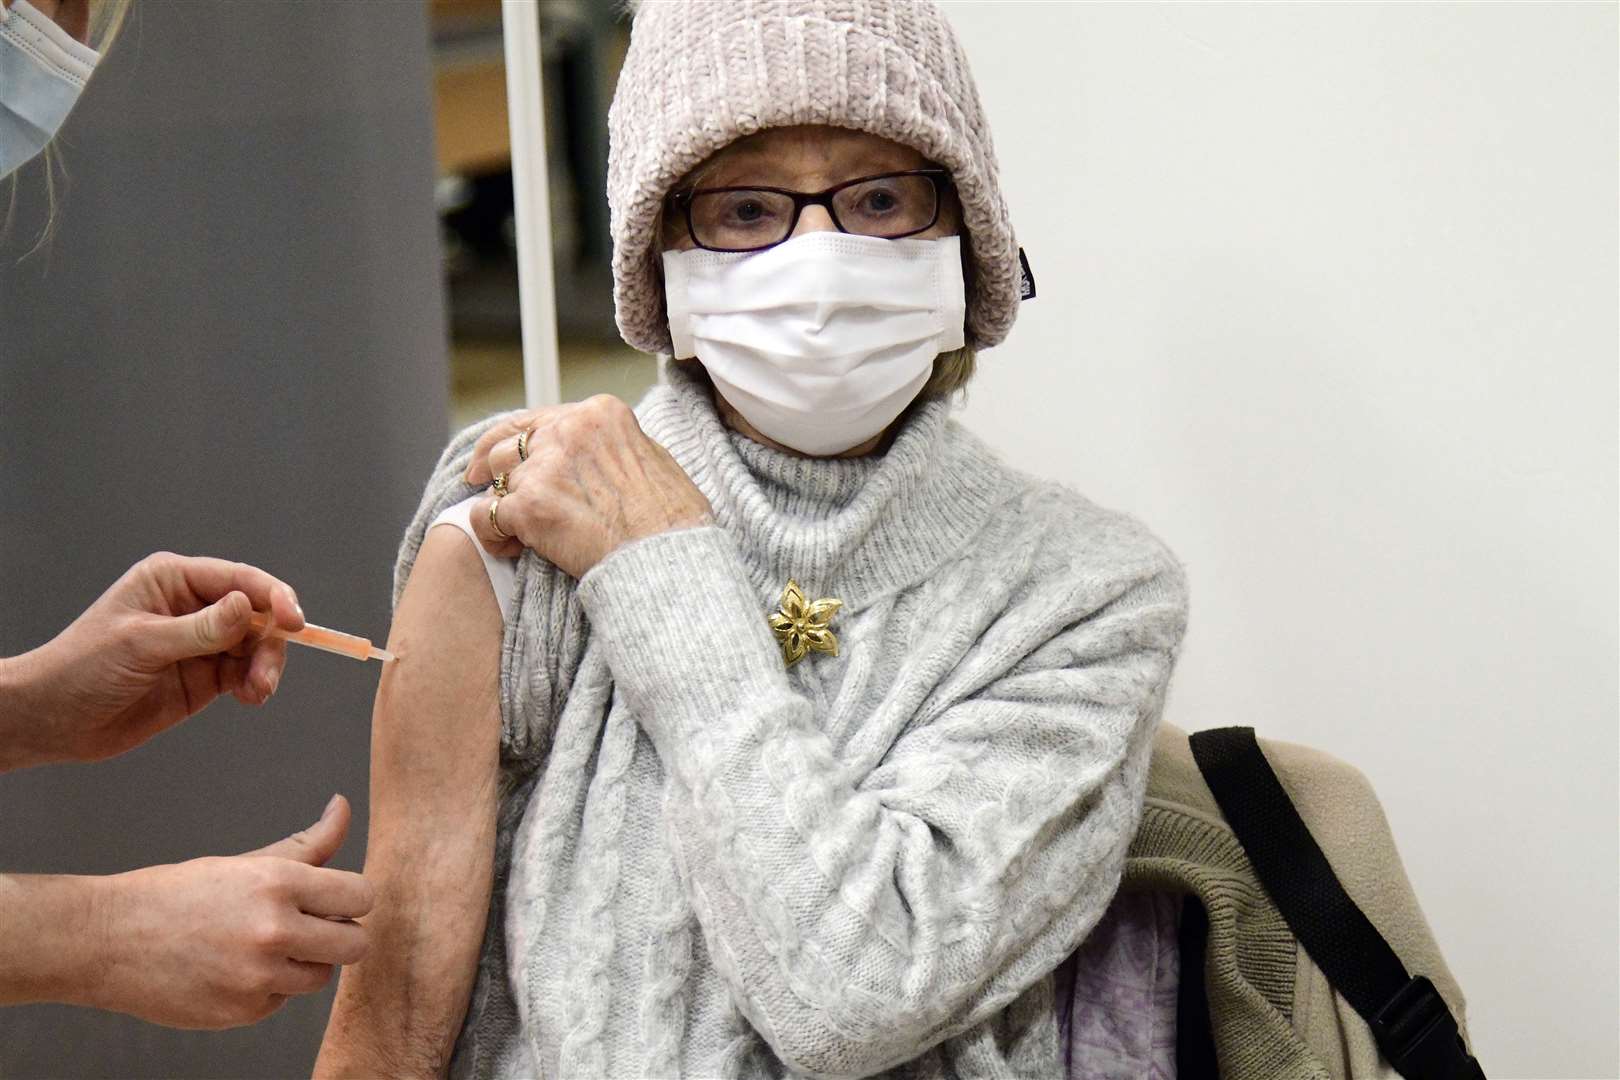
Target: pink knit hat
[702, 73]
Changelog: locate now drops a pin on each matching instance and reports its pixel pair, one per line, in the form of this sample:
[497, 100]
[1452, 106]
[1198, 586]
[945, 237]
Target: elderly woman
[805, 736]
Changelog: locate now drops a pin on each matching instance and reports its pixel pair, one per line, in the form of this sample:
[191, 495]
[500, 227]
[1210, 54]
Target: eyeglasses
[889, 206]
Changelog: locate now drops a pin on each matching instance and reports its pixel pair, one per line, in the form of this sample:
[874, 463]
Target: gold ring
[495, 521]
[500, 486]
[523, 445]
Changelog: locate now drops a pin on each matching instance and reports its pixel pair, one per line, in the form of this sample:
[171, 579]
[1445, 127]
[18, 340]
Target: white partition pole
[531, 201]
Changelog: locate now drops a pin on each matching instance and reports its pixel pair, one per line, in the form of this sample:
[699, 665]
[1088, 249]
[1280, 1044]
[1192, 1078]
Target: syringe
[319, 637]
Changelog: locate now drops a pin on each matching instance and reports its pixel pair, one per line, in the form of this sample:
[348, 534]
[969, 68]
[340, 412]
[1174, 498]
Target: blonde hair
[952, 370]
[106, 19]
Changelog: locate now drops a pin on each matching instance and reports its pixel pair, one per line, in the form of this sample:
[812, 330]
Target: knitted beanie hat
[703, 73]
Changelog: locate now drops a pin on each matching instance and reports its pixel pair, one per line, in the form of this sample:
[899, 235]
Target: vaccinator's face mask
[42, 72]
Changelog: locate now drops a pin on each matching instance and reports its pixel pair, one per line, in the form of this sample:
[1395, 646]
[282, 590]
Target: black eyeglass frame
[940, 178]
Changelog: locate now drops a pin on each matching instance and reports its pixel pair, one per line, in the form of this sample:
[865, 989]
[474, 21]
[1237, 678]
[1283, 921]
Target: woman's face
[807, 158]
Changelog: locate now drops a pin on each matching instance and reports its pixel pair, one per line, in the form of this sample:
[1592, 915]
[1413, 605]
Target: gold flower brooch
[801, 625]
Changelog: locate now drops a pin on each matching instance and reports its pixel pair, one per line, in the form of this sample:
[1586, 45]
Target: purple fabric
[1116, 994]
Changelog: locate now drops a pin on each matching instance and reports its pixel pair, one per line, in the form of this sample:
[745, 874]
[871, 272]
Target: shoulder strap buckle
[1418, 1035]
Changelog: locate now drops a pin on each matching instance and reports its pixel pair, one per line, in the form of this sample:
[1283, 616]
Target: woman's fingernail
[331, 805]
[271, 681]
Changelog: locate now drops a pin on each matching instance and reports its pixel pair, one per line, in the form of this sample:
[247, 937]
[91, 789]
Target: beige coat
[1273, 1013]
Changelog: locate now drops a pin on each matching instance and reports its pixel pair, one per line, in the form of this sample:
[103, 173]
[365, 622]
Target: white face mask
[42, 71]
[821, 341]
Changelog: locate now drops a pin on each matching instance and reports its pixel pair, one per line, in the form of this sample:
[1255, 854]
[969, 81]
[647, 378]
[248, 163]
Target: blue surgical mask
[42, 71]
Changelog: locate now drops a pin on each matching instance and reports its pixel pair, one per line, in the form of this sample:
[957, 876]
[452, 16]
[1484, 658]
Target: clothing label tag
[1026, 280]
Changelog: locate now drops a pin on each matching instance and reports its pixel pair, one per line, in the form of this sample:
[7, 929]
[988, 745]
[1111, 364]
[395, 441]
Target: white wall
[1328, 298]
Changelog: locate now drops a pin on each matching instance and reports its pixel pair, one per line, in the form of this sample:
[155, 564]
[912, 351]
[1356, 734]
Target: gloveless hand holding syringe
[319, 637]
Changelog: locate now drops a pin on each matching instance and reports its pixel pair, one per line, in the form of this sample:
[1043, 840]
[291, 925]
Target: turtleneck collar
[855, 528]
[800, 486]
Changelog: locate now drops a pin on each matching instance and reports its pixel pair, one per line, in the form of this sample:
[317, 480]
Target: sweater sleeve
[862, 915]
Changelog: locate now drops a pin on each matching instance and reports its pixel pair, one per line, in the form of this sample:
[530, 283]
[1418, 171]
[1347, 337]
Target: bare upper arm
[435, 761]
[436, 723]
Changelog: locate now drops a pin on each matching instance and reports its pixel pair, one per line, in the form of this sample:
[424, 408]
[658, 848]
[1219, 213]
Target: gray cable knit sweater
[709, 864]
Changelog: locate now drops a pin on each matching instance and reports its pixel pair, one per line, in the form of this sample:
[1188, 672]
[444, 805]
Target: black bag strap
[1414, 1029]
[1195, 1039]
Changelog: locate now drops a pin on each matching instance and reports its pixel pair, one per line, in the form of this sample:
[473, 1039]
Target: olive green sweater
[1273, 1013]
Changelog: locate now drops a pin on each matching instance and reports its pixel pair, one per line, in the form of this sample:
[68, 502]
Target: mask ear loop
[954, 369]
[970, 274]
[691, 366]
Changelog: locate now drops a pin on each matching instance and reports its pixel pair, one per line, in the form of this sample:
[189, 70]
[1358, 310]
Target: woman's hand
[593, 482]
[166, 639]
[496, 450]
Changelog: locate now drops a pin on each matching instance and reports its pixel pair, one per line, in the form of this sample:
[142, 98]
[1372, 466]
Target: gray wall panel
[233, 345]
